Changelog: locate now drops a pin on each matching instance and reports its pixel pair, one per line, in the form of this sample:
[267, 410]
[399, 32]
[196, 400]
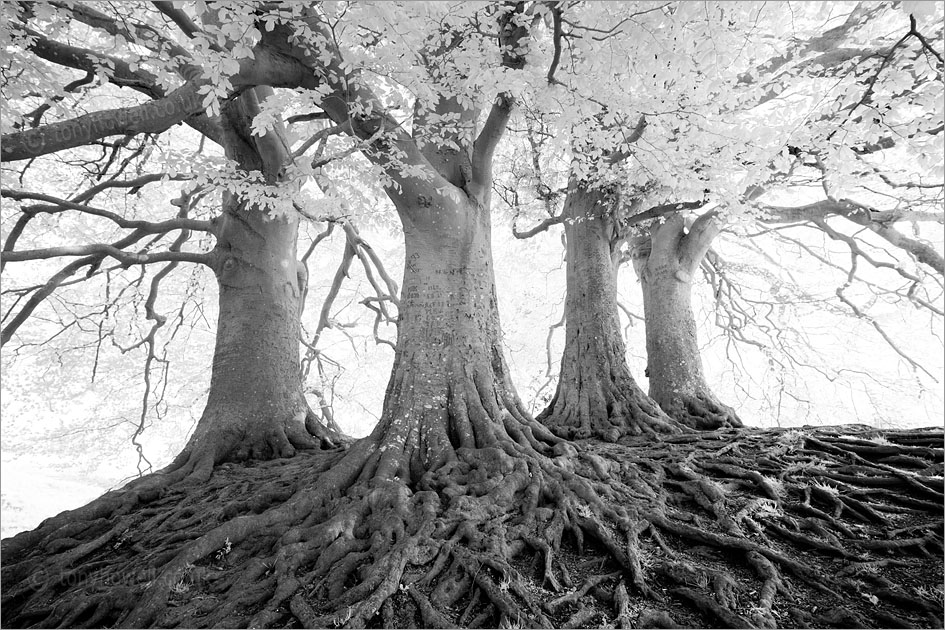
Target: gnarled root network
[194, 466]
[751, 528]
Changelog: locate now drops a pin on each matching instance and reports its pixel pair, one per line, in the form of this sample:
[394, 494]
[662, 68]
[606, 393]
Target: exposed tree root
[812, 528]
[606, 405]
[701, 411]
[240, 436]
[194, 466]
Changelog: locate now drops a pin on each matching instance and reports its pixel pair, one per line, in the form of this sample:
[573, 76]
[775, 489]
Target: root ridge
[607, 409]
[739, 529]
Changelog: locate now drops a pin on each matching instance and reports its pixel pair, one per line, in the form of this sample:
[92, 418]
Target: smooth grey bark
[596, 395]
[256, 407]
[450, 386]
[666, 264]
[153, 116]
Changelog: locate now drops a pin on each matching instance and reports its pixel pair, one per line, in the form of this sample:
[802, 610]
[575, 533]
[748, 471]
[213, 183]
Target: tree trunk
[450, 386]
[666, 265]
[256, 407]
[596, 395]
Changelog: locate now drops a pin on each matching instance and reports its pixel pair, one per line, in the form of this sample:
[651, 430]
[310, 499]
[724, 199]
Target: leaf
[229, 67]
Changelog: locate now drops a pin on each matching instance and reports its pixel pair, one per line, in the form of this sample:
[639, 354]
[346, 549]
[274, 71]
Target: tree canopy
[860, 55]
[779, 165]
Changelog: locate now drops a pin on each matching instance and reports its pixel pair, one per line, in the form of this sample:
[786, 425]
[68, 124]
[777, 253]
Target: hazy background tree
[849, 71]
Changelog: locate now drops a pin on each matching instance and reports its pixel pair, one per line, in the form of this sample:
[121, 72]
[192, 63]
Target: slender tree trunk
[596, 395]
[666, 265]
[256, 408]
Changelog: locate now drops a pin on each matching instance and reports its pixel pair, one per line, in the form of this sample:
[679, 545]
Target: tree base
[193, 467]
[702, 412]
[237, 437]
[830, 527]
[582, 413]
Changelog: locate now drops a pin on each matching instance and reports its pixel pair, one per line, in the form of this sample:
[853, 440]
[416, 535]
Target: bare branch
[610, 31]
[291, 120]
[61, 205]
[28, 213]
[13, 236]
[265, 68]
[698, 240]
[324, 317]
[635, 134]
[36, 115]
[355, 246]
[380, 317]
[910, 295]
[512, 38]
[556, 41]
[322, 135]
[923, 252]
[94, 271]
[858, 213]
[134, 184]
[859, 313]
[152, 117]
[94, 260]
[852, 276]
[57, 280]
[150, 342]
[922, 40]
[550, 371]
[369, 258]
[877, 221]
[176, 15]
[662, 210]
[541, 227]
[118, 72]
[155, 40]
[856, 250]
[45, 291]
[318, 239]
[122, 256]
[811, 211]
[630, 317]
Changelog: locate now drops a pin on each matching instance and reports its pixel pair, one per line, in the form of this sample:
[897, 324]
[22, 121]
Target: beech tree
[669, 256]
[666, 265]
[673, 252]
[449, 392]
[449, 387]
[459, 508]
[466, 168]
[607, 118]
[596, 395]
[256, 408]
